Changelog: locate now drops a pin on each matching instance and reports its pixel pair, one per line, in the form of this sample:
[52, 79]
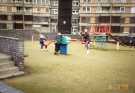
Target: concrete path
[7, 89]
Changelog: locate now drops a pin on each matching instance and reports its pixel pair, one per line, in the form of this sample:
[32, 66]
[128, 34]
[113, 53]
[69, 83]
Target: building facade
[75, 16]
[118, 14]
[39, 15]
[54, 15]
[42, 15]
[25, 15]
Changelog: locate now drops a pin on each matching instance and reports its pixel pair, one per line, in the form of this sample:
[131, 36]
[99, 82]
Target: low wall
[14, 47]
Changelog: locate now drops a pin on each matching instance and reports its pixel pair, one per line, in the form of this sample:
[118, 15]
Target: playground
[103, 70]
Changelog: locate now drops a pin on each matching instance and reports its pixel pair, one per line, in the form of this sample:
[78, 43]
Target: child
[42, 41]
[86, 39]
[58, 40]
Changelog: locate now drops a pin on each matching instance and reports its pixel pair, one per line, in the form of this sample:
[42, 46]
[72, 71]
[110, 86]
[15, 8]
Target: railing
[15, 48]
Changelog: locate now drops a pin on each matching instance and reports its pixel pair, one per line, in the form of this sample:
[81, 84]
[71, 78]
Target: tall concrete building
[118, 14]
[39, 15]
[42, 15]
[25, 15]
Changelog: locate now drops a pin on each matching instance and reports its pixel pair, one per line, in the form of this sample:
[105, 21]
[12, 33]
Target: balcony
[17, 1]
[28, 12]
[41, 23]
[28, 2]
[84, 24]
[19, 11]
[129, 25]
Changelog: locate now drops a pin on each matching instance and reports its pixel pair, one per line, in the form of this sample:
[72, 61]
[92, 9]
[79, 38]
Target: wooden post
[32, 38]
[118, 46]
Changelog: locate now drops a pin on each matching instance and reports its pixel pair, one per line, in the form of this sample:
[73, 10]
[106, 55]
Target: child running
[86, 40]
[42, 41]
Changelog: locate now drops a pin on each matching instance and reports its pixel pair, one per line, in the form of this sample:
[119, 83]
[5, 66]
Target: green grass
[101, 71]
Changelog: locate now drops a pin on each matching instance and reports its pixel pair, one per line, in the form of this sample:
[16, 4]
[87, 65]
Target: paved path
[7, 89]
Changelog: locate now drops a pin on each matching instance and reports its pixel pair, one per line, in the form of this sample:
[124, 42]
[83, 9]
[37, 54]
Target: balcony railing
[14, 47]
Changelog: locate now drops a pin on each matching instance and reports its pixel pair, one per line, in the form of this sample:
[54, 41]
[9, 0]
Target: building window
[85, 19]
[88, 8]
[9, 9]
[40, 19]
[3, 26]
[122, 9]
[84, 1]
[116, 10]
[3, 17]
[47, 9]
[84, 9]
[75, 21]
[42, 10]
[115, 19]
[18, 26]
[3, 8]
[38, 9]
[13, 9]
[28, 9]
[54, 3]
[34, 1]
[132, 20]
[17, 17]
[45, 1]
[89, 1]
[75, 12]
[104, 19]
[45, 25]
[106, 9]
[28, 1]
[133, 10]
[75, 3]
[54, 20]
[19, 9]
[34, 9]
[132, 30]
[116, 29]
[54, 11]
[39, 2]
[28, 17]
[28, 26]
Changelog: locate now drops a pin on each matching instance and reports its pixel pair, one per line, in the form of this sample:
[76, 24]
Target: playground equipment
[99, 35]
[100, 29]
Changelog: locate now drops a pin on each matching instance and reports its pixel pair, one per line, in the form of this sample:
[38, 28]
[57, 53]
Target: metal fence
[12, 43]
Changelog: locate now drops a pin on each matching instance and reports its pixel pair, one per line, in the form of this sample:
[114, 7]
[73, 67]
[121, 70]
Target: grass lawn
[101, 71]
